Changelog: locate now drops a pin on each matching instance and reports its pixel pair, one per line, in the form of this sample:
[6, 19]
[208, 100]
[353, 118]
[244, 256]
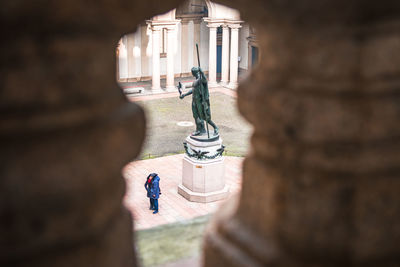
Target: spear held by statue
[203, 101]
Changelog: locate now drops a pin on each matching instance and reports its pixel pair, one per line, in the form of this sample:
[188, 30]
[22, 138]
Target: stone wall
[66, 132]
[320, 186]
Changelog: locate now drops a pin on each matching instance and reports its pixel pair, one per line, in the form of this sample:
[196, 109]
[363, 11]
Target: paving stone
[172, 206]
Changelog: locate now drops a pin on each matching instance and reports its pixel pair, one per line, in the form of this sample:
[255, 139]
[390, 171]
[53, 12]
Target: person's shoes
[156, 211]
[216, 131]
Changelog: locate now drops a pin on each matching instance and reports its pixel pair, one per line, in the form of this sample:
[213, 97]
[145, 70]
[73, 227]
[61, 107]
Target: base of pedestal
[203, 197]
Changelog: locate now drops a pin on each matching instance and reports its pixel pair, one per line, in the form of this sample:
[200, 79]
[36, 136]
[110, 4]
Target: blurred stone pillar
[321, 184]
[66, 131]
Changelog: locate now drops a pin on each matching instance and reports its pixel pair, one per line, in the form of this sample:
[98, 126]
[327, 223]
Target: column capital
[234, 26]
[197, 21]
[185, 21]
[213, 23]
[171, 28]
[154, 28]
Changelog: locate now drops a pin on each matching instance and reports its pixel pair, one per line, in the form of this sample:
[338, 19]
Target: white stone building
[164, 47]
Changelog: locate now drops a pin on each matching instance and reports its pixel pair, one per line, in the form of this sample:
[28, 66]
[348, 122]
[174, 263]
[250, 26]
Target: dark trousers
[155, 204]
[151, 203]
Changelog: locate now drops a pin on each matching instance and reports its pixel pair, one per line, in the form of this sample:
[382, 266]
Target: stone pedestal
[203, 174]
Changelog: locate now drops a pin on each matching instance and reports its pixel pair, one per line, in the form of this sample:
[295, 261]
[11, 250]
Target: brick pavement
[172, 206]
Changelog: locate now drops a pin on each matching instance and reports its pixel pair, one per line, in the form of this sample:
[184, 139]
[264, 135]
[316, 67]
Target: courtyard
[170, 121]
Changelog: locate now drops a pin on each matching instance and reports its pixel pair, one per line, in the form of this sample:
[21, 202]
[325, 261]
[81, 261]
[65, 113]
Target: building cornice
[160, 24]
[186, 18]
[216, 22]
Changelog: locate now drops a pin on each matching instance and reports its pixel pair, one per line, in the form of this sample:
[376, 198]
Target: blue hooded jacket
[155, 187]
[147, 184]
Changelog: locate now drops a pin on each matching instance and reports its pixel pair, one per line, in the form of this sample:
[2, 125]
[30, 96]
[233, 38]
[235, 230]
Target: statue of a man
[200, 102]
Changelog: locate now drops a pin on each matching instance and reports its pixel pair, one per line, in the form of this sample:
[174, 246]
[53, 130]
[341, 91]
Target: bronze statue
[200, 102]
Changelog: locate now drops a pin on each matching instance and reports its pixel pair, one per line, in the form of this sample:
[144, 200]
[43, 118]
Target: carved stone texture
[320, 187]
[66, 132]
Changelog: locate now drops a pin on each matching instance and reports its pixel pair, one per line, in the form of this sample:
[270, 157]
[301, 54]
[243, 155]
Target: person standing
[155, 191]
[147, 186]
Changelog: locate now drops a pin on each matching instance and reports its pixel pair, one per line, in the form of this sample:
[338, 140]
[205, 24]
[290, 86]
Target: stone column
[123, 60]
[170, 58]
[185, 46]
[196, 36]
[137, 66]
[156, 58]
[130, 57]
[321, 184]
[234, 55]
[145, 61]
[212, 62]
[65, 138]
[225, 55]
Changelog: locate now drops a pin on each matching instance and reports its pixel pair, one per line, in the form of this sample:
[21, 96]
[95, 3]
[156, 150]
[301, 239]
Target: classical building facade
[165, 46]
